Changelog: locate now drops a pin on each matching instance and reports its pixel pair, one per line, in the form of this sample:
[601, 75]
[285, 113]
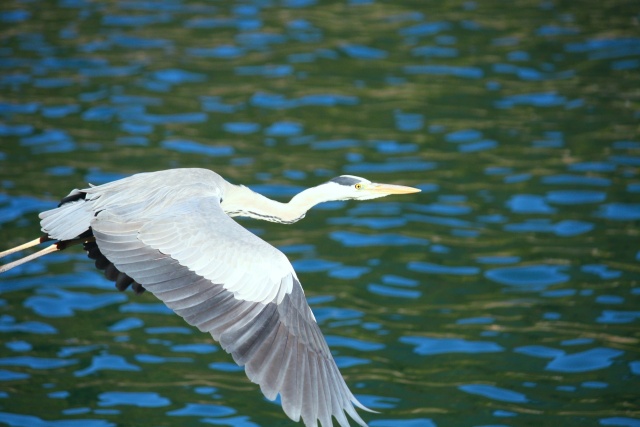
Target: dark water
[505, 294]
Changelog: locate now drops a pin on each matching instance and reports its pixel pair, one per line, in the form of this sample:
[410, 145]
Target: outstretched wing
[226, 281]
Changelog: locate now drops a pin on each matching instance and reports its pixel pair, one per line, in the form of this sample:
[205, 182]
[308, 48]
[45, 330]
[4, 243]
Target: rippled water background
[505, 294]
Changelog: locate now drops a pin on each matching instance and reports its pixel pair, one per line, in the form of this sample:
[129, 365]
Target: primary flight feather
[171, 233]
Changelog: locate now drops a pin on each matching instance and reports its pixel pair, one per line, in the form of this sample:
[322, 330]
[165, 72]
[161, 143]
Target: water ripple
[135, 307]
[202, 410]
[195, 348]
[12, 208]
[152, 358]
[444, 70]
[63, 303]
[32, 327]
[49, 141]
[494, 393]
[575, 197]
[225, 367]
[426, 267]
[531, 277]
[584, 361]
[619, 211]
[528, 204]
[543, 99]
[353, 239]
[241, 128]
[19, 346]
[391, 167]
[193, 147]
[314, 265]
[106, 362]
[271, 71]
[353, 343]
[530, 184]
[36, 362]
[177, 76]
[19, 420]
[6, 375]
[390, 291]
[562, 228]
[620, 422]
[430, 346]
[416, 422]
[567, 179]
[425, 29]
[618, 317]
[363, 52]
[435, 51]
[601, 271]
[139, 399]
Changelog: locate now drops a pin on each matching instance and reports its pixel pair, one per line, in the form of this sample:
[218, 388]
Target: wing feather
[229, 283]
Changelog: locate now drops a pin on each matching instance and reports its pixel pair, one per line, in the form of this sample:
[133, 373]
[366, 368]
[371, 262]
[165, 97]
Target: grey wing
[226, 281]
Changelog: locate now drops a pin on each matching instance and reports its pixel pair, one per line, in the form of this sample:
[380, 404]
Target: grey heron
[171, 233]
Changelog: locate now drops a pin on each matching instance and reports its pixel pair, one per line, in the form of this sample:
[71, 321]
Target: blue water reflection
[618, 317]
[521, 247]
[391, 291]
[361, 345]
[620, 421]
[494, 393]
[424, 267]
[225, 367]
[202, 410]
[363, 52]
[6, 375]
[150, 358]
[59, 303]
[239, 421]
[567, 179]
[417, 422]
[530, 277]
[193, 147]
[443, 70]
[36, 362]
[19, 346]
[140, 399]
[543, 99]
[602, 271]
[126, 324]
[106, 362]
[390, 167]
[562, 228]
[19, 420]
[619, 211]
[430, 346]
[352, 239]
[584, 361]
[33, 327]
[194, 348]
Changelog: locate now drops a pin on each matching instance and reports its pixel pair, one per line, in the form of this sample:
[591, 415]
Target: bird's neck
[245, 202]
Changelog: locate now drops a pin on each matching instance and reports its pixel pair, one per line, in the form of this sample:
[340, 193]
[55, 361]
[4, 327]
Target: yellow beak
[392, 189]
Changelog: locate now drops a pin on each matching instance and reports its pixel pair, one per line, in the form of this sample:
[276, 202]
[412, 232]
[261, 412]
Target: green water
[505, 294]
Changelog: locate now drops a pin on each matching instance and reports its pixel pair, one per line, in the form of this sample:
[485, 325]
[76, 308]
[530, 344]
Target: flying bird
[171, 233]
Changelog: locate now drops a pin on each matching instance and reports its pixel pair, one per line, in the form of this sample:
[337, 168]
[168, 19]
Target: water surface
[505, 294]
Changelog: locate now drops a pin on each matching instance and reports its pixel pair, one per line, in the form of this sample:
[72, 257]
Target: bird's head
[349, 187]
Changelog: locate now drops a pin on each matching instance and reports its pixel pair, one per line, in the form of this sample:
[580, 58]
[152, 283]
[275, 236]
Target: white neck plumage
[244, 202]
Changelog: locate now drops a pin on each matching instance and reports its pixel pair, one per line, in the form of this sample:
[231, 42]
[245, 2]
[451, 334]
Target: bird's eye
[358, 186]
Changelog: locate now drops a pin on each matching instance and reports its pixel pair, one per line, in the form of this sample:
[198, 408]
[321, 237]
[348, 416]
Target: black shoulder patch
[72, 198]
[345, 180]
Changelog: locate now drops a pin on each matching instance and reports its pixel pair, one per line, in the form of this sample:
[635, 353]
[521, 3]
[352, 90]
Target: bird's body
[171, 233]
